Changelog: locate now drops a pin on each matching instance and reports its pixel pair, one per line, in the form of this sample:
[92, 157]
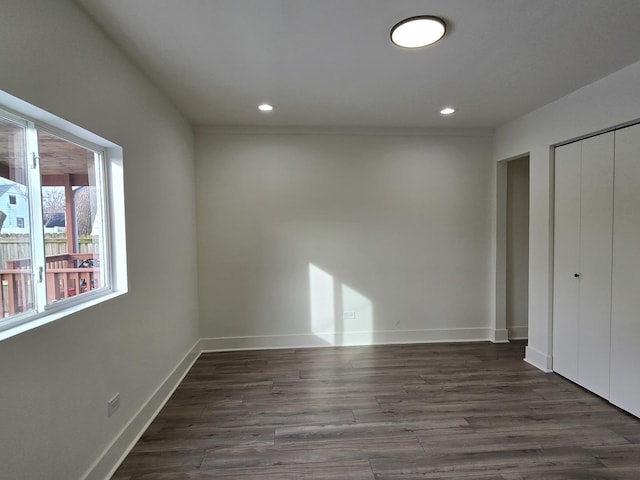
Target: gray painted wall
[402, 222]
[55, 380]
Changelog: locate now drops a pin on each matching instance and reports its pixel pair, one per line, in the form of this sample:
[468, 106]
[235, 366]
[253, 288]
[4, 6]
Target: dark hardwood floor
[474, 411]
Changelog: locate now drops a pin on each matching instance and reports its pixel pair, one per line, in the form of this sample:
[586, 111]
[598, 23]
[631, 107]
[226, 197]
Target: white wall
[55, 380]
[611, 101]
[295, 228]
[517, 274]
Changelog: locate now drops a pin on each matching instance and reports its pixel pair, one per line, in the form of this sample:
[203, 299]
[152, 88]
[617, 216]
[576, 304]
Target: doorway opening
[512, 252]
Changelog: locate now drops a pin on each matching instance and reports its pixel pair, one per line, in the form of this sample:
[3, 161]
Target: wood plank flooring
[473, 411]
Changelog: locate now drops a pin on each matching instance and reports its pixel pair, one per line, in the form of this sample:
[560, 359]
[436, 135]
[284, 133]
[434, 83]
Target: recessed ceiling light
[416, 32]
[447, 111]
[265, 107]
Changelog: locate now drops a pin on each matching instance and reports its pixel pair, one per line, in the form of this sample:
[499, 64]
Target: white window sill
[38, 320]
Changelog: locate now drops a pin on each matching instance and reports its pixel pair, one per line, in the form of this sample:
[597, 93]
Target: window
[60, 250]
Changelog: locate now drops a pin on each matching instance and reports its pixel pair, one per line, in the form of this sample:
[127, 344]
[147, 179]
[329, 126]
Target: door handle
[576, 275]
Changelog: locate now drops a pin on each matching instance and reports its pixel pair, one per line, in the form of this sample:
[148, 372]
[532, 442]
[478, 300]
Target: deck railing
[66, 275]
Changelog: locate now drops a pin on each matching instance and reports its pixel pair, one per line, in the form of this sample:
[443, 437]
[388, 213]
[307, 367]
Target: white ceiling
[330, 63]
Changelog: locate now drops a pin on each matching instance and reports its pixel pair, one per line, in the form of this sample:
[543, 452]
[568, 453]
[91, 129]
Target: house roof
[11, 186]
[4, 188]
[330, 63]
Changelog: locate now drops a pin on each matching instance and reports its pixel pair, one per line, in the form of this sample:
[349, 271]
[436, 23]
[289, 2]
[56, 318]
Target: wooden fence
[15, 246]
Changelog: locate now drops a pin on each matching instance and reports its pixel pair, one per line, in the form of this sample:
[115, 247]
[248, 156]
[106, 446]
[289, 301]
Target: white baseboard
[500, 336]
[538, 359]
[306, 340]
[115, 453]
[519, 333]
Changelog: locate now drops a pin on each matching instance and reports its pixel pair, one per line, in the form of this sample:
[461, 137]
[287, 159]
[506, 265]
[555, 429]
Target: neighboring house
[15, 205]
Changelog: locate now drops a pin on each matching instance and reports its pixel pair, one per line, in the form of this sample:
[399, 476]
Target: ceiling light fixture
[448, 111]
[265, 107]
[416, 32]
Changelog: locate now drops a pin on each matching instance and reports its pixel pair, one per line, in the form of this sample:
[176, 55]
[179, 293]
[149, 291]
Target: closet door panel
[566, 260]
[596, 230]
[625, 312]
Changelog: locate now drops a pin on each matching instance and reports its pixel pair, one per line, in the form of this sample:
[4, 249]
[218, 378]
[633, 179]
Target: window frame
[110, 195]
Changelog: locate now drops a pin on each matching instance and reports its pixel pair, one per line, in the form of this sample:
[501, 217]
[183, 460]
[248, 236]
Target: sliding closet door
[566, 260]
[596, 230]
[625, 313]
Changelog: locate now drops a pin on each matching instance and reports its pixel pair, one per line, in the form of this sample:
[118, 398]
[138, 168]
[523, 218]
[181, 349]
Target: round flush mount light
[447, 111]
[265, 107]
[416, 32]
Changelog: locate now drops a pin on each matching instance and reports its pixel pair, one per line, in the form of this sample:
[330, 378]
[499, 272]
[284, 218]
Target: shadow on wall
[340, 315]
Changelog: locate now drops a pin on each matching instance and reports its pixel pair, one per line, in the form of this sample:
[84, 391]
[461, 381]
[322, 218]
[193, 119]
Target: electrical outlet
[348, 315]
[113, 404]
